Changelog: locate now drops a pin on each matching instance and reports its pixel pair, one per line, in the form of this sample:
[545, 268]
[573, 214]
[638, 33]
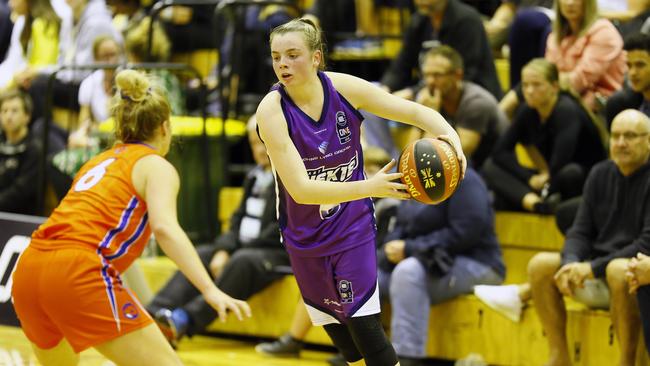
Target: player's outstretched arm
[369, 97]
[156, 180]
[288, 164]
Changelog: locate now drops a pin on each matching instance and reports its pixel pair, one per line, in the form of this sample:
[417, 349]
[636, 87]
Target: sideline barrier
[15, 233]
[189, 126]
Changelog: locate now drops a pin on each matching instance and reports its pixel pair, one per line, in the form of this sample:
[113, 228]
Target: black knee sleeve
[343, 341]
[371, 340]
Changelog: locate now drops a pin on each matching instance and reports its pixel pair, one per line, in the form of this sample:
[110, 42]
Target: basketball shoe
[173, 324]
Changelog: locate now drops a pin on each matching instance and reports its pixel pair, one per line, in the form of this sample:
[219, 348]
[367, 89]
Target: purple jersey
[331, 150]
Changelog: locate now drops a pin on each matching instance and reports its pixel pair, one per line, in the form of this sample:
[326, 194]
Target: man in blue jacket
[433, 254]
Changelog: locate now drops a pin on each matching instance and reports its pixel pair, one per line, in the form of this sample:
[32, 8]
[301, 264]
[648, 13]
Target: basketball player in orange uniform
[67, 290]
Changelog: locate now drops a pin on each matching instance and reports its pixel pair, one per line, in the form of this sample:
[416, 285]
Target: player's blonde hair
[139, 106]
[311, 33]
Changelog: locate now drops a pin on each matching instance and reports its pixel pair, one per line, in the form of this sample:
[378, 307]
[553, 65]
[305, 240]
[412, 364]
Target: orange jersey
[102, 211]
[97, 231]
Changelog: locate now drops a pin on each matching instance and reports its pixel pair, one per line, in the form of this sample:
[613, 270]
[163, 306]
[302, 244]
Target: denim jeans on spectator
[412, 292]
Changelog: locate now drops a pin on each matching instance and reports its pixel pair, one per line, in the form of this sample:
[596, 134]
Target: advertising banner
[15, 232]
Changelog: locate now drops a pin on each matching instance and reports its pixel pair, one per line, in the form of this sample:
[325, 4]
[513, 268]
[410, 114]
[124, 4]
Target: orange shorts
[73, 294]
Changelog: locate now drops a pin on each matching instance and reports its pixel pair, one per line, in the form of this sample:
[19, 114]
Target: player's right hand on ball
[221, 302]
[385, 184]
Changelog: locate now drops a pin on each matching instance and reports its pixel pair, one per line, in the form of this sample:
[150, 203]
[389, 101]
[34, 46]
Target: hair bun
[132, 85]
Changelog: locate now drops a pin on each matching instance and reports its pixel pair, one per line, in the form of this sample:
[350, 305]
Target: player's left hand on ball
[221, 302]
[462, 160]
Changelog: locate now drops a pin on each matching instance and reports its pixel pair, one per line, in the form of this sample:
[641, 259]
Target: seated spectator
[588, 52]
[611, 226]
[561, 137]
[451, 23]
[637, 94]
[469, 108]
[241, 261]
[509, 12]
[37, 36]
[433, 254]
[90, 19]
[95, 94]
[97, 89]
[528, 33]
[136, 44]
[20, 153]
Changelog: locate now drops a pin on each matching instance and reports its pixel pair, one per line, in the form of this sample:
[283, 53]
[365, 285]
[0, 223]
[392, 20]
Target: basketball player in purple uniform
[311, 128]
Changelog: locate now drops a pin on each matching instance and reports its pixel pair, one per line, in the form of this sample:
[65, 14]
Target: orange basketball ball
[431, 170]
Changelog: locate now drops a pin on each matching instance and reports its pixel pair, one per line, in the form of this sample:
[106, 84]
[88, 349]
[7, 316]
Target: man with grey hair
[612, 226]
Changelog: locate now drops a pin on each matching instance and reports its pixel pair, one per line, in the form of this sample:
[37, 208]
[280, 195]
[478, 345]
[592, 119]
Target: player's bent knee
[371, 340]
[343, 341]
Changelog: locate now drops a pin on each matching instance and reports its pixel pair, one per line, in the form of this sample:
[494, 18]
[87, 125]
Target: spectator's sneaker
[173, 324]
[285, 346]
[504, 299]
[337, 360]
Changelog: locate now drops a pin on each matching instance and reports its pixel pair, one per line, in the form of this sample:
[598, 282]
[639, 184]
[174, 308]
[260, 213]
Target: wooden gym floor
[15, 350]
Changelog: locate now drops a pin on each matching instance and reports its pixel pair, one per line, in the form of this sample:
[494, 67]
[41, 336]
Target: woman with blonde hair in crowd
[118, 199]
[39, 32]
[561, 136]
[588, 52]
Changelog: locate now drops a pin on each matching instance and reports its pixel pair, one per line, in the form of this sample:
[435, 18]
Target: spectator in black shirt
[612, 225]
[560, 136]
[527, 36]
[637, 94]
[451, 23]
[19, 154]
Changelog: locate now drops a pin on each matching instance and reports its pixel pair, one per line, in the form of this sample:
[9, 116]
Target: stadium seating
[458, 327]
